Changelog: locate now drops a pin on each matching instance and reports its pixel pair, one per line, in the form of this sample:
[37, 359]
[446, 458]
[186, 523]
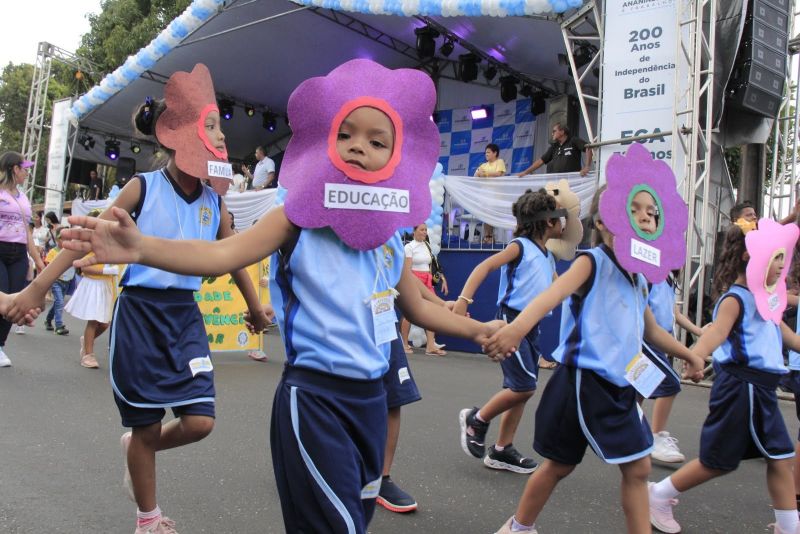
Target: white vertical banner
[57, 157]
[639, 52]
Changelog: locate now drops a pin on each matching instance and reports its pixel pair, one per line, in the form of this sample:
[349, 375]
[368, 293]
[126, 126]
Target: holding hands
[503, 342]
[111, 242]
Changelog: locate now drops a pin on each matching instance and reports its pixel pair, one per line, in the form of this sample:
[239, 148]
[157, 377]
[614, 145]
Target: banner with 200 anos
[223, 307]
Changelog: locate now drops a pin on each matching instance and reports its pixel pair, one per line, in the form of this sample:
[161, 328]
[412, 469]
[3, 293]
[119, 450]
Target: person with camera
[424, 266]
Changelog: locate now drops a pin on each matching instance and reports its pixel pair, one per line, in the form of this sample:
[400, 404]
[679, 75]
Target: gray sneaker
[509, 459]
[473, 432]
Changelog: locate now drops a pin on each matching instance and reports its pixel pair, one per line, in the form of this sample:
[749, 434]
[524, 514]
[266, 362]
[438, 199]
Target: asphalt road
[61, 467]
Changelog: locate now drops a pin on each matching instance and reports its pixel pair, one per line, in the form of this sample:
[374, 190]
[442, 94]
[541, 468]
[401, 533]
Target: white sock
[145, 518]
[478, 417]
[787, 520]
[516, 526]
[665, 489]
[498, 448]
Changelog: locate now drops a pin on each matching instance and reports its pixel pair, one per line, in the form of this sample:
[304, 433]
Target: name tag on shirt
[643, 375]
[383, 317]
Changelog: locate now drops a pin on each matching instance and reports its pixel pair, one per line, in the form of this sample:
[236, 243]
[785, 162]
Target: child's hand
[257, 320]
[460, 307]
[693, 370]
[263, 281]
[111, 242]
[20, 305]
[503, 343]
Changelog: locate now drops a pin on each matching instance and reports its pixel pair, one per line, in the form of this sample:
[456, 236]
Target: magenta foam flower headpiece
[769, 241]
[364, 208]
[654, 255]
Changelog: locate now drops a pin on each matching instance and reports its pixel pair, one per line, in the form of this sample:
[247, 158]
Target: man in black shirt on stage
[564, 155]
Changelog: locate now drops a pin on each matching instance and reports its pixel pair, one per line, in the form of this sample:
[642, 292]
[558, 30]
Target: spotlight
[426, 45]
[135, 147]
[467, 70]
[538, 103]
[86, 141]
[479, 113]
[490, 73]
[269, 120]
[249, 111]
[447, 48]
[582, 55]
[508, 88]
[526, 91]
[225, 108]
[112, 149]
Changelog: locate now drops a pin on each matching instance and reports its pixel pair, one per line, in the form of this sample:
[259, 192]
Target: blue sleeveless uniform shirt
[662, 304]
[323, 290]
[752, 342]
[602, 330]
[165, 211]
[794, 356]
[523, 279]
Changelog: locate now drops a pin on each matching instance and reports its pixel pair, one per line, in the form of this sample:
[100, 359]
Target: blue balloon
[559, 6]
[575, 3]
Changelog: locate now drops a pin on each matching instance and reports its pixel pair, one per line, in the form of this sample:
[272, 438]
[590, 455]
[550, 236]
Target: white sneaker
[4, 361]
[665, 449]
[20, 329]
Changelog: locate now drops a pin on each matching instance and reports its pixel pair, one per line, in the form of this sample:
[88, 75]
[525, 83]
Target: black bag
[436, 269]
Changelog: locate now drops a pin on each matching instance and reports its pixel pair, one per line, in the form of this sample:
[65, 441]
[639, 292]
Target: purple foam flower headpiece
[364, 208]
[654, 255]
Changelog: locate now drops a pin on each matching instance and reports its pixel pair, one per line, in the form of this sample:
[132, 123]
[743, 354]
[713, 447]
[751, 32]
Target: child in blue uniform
[744, 419]
[588, 401]
[527, 268]
[159, 356]
[334, 303]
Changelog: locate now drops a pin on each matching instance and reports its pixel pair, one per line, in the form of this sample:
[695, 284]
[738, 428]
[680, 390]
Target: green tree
[124, 26]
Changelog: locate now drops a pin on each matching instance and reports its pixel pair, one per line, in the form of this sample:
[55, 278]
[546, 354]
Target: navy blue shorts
[521, 370]
[159, 356]
[579, 408]
[328, 435]
[671, 385]
[792, 381]
[132, 416]
[743, 421]
[401, 389]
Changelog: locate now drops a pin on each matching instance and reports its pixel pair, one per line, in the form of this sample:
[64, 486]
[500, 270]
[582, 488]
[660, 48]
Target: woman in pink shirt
[16, 241]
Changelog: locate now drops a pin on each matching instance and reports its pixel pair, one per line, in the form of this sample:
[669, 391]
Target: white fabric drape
[490, 199]
[246, 207]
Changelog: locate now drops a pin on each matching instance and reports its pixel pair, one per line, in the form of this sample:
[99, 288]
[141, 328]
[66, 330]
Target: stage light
[426, 44]
[526, 91]
[582, 55]
[86, 141]
[447, 48]
[508, 88]
[490, 73]
[467, 70]
[538, 103]
[112, 149]
[135, 147]
[269, 120]
[249, 111]
[479, 113]
[225, 108]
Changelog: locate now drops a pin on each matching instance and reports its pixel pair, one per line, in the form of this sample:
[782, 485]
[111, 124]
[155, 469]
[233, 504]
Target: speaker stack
[759, 73]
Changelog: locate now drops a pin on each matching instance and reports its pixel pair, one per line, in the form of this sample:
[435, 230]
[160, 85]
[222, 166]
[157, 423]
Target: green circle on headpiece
[639, 232]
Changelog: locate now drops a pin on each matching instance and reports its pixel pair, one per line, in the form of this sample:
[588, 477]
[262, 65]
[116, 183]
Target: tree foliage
[124, 26]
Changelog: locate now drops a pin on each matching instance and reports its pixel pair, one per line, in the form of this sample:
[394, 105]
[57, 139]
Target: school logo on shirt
[205, 216]
[388, 256]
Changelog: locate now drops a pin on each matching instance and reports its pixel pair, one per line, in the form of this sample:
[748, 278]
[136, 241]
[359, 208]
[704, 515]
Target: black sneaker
[62, 330]
[473, 432]
[48, 325]
[394, 499]
[509, 459]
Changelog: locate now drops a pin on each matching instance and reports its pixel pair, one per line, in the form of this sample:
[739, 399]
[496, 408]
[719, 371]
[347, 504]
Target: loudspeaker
[126, 167]
[758, 78]
[563, 109]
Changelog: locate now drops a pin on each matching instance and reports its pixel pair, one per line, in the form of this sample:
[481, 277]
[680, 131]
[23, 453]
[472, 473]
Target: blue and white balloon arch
[200, 11]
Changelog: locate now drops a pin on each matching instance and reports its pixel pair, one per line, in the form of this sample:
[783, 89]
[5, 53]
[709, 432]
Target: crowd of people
[343, 386]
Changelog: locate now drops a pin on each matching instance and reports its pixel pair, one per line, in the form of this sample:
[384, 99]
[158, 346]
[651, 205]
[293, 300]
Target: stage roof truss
[585, 27]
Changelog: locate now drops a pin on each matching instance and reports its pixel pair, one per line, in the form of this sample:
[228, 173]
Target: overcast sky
[27, 22]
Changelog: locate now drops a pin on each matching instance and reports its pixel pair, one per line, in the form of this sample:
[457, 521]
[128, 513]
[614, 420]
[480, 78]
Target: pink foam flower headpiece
[654, 255]
[364, 208]
[769, 241]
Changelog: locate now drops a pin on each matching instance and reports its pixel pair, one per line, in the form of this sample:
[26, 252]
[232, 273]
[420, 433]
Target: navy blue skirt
[159, 355]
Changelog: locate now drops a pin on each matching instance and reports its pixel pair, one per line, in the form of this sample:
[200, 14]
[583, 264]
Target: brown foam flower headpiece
[189, 98]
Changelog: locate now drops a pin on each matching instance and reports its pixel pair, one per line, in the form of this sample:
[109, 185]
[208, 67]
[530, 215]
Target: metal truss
[780, 194]
[691, 144]
[585, 27]
[38, 101]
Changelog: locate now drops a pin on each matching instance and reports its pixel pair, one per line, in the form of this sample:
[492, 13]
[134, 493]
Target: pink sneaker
[506, 528]
[164, 526]
[127, 483]
[779, 531]
[661, 513]
[257, 355]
